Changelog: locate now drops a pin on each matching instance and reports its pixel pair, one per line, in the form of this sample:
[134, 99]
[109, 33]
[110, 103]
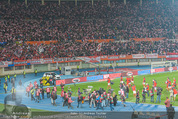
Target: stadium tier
[73, 56]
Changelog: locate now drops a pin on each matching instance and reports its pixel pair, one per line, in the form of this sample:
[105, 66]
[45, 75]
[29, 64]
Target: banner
[159, 70]
[144, 72]
[58, 82]
[46, 60]
[99, 47]
[129, 73]
[4, 64]
[40, 42]
[113, 57]
[94, 78]
[98, 40]
[170, 68]
[147, 39]
[172, 56]
[152, 55]
[75, 80]
[20, 62]
[93, 59]
[105, 76]
[34, 61]
[115, 75]
[138, 56]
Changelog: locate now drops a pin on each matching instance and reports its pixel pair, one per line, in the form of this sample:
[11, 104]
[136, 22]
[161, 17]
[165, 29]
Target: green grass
[160, 78]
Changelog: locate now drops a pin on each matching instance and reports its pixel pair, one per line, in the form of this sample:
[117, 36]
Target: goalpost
[164, 64]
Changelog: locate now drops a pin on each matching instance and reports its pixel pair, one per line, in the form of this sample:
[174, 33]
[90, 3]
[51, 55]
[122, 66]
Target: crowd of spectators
[23, 51]
[67, 23]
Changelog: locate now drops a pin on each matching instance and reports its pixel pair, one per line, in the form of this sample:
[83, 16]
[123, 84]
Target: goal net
[169, 64]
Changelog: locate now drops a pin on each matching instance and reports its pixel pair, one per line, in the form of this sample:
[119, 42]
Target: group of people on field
[102, 98]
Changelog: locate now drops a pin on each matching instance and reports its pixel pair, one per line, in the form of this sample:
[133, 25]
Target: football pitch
[159, 77]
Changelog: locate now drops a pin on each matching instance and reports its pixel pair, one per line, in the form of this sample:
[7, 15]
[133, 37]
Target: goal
[169, 64]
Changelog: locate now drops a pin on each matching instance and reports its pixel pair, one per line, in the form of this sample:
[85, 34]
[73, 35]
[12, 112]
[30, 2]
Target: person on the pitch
[42, 92]
[62, 95]
[62, 86]
[93, 99]
[8, 76]
[70, 102]
[59, 70]
[37, 95]
[13, 91]
[15, 77]
[175, 93]
[171, 94]
[41, 83]
[102, 101]
[30, 85]
[128, 81]
[79, 92]
[35, 72]
[132, 80]
[27, 90]
[111, 103]
[35, 83]
[167, 103]
[127, 91]
[109, 83]
[12, 82]
[137, 97]
[169, 84]
[147, 88]
[155, 85]
[108, 98]
[144, 81]
[48, 92]
[5, 88]
[24, 73]
[159, 95]
[144, 95]
[65, 99]
[53, 97]
[79, 100]
[51, 81]
[32, 94]
[174, 83]
[55, 88]
[121, 79]
[123, 97]
[170, 112]
[152, 95]
[20, 83]
[105, 98]
[98, 102]
[134, 90]
[69, 91]
[77, 67]
[6, 83]
[115, 100]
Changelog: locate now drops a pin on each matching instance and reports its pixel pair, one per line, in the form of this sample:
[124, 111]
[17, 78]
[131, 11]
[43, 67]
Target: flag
[99, 47]
[57, 66]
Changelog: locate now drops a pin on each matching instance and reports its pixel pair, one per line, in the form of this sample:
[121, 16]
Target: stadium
[106, 59]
